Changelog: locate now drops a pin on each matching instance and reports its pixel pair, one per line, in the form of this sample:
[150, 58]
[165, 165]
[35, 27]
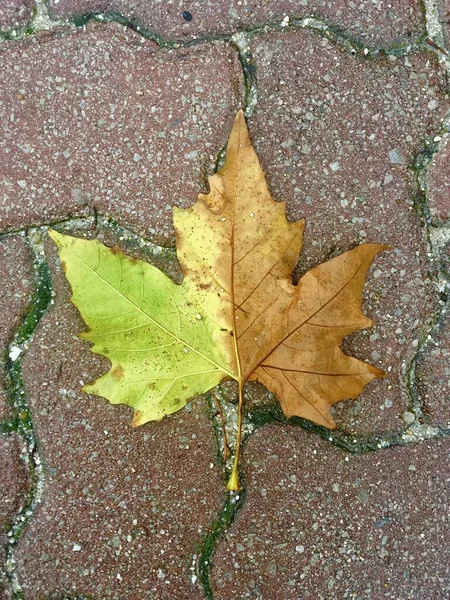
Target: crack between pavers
[436, 269]
[90, 218]
[22, 421]
[241, 41]
[234, 502]
[353, 444]
[39, 21]
[8, 425]
[435, 31]
[43, 21]
[202, 559]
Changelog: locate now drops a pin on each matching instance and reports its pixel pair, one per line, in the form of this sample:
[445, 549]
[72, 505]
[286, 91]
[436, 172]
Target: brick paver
[16, 275]
[15, 13]
[104, 119]
[14, 486]
[319, 523]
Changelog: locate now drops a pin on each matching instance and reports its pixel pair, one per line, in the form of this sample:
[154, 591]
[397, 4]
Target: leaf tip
[88, 388]
[239, 122]
[327, 421]
[240, 116]
[136, 422]
[140, 418]
[322, 418]
[379, 373]
[377, 248]
[55, 236]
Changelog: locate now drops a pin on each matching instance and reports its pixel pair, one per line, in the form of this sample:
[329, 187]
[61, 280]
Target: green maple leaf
[236, 314]
[159, 337]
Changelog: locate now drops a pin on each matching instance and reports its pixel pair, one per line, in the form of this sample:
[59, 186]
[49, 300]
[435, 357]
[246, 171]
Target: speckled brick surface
[16, 276]
[104, 119]
[434, 376]
[14, 486]
[444, 6]
[370, 21]
[15, 13]
[319, 523]
[438, 182]
[335, 134]
[124, 509]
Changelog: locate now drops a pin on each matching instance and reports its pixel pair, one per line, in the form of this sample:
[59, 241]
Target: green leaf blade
[162, 348]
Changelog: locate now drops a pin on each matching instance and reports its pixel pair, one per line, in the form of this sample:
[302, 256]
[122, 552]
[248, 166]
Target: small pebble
[395, 157]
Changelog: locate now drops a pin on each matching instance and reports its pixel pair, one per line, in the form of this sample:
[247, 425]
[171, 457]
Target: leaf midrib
[232, 265]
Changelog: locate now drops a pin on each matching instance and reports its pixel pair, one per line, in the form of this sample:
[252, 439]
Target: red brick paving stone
[106, 119]
[370, 21]
[123, 509]
[439, 182]
[320, 524]
[14, 13]
[16, 276]
[14, 486]
[335, 134]
[433, 377]
[444, 6]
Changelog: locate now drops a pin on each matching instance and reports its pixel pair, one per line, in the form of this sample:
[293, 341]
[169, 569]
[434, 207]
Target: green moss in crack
[208, 546]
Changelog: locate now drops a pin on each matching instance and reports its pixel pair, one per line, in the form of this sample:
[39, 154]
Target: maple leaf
[236, 315]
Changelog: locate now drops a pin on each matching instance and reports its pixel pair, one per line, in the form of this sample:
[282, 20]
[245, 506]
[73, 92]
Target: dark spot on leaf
[64, 266]
[116, 250]
[117, 372]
